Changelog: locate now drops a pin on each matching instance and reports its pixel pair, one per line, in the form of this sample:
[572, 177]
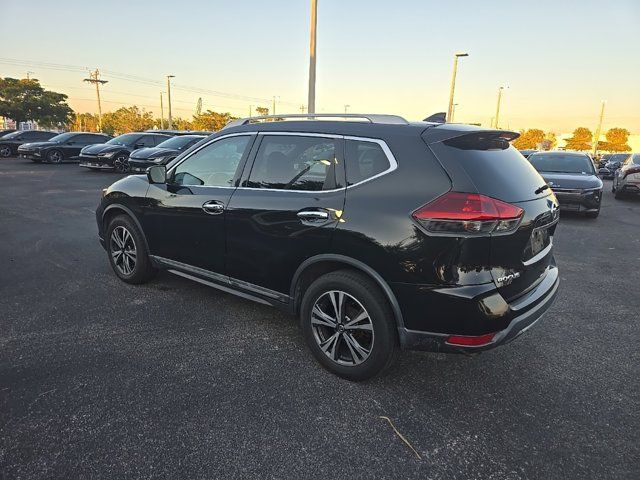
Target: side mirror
[139, 145]
[157, 174]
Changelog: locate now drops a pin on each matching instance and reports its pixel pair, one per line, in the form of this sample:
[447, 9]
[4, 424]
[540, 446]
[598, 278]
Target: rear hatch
[484, 162]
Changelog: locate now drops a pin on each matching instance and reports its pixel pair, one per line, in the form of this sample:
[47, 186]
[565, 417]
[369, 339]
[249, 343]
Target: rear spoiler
[440, 117]
[463, 134]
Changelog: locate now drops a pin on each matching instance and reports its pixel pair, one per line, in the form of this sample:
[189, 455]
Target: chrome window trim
[393, 164]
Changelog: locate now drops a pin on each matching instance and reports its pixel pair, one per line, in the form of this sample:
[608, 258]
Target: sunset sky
[558, 58]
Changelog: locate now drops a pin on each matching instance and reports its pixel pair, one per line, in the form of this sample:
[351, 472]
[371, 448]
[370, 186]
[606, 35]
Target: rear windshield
[618, 157]
[497, 169]
[562, 163]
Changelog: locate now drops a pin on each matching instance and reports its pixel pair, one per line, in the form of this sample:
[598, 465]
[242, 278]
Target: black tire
[361, 293]
[136, 269]
[592, 214]
[121, 163]
[5, 151]
[55, 156]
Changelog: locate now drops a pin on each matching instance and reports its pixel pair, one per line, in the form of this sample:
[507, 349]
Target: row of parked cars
[576, 179]
[129, 152]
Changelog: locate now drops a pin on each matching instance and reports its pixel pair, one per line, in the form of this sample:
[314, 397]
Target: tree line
[582, 139]
[26, 99]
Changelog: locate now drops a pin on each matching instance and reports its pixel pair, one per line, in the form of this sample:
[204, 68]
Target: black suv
[61, 148]
[114, 154]
[10, 142]
[377, 233]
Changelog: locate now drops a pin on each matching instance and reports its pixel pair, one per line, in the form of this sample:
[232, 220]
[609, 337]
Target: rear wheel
[55, 156]
[593, 214]
[127, 251]
[5, 151]
[348, 325]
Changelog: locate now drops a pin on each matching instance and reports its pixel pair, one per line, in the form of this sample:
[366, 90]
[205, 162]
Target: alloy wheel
[123, 250]
[121, 164]
[342, 328]
[55, 157]
[5, 151]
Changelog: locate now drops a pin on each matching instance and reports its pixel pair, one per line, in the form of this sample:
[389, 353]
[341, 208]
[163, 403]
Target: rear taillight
[470, 340]
[468, 214]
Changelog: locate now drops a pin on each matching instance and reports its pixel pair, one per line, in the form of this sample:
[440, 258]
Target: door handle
[213, 207]
[313, 215]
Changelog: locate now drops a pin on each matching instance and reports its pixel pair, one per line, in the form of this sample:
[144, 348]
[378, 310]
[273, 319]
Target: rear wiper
[541, 189]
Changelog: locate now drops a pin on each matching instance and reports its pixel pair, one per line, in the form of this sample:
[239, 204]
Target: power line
[135, 79]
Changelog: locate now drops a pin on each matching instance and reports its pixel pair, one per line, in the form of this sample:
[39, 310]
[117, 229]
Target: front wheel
[55, 156]
[121, 163]
[5, 151]
[127, 251]
[348, 325]
[592, 214]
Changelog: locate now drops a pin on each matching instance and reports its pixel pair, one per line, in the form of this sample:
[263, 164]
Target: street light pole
[598, 131]
[311, 102]
[345, 108]
[170, 122]
[453, 84]
[453, 112]
[498, 107]
[161, 112]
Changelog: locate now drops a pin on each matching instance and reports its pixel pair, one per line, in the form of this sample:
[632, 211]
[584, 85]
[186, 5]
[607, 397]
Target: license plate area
[540, 239]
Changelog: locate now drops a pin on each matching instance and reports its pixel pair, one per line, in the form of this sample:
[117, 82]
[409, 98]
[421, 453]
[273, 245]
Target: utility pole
[453, 112]
[161, 111]
[94, 78]
[250, 111]
[498, 107]
[29, 72]
[599, 130]
[311, 103]
[274, 104]
[453, 83]
[170, 122]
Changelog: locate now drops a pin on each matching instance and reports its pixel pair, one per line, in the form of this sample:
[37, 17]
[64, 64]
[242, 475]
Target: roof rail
[372, 118]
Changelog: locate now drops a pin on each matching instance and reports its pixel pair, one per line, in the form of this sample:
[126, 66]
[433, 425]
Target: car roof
[562, 152]
[431, 132]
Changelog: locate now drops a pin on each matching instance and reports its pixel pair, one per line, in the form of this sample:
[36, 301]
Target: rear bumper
[524, 313]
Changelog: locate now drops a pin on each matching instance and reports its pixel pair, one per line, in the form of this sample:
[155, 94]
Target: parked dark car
[6, 132]
[572, 177]
[602, 161]
[114, 154]
[64, 147]
[614, 162]
[627, 178]
[10, 142]
[176, 133]
[376, 234]
[141, 159]
[526, 153]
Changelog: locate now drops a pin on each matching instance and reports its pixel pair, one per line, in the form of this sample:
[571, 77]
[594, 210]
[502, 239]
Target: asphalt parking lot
[99, 379]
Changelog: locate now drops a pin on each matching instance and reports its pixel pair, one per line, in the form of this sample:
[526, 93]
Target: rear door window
[364, 160]
[292, 162]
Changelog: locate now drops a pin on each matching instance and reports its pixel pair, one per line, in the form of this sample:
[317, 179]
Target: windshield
[126, 139]
[178, 143]
[618, 157]
[63, 137]
[11, 135]
[562, 163]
